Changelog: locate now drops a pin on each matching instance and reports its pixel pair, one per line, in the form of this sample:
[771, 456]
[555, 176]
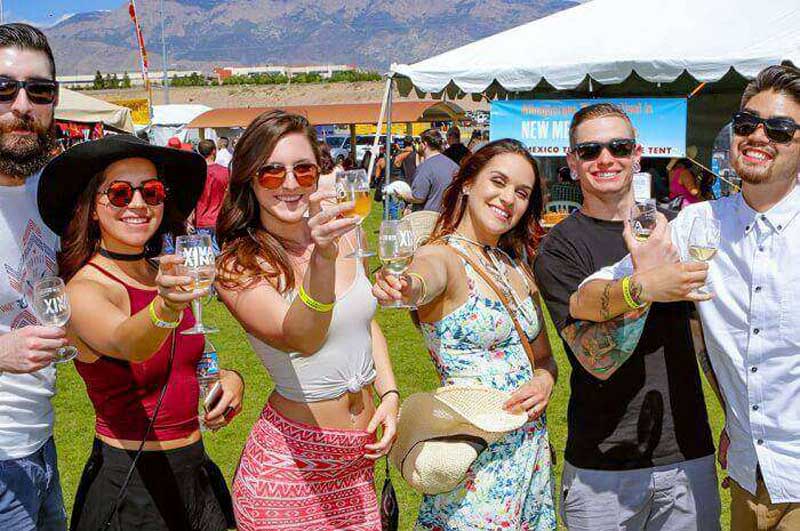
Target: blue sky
[48, 12]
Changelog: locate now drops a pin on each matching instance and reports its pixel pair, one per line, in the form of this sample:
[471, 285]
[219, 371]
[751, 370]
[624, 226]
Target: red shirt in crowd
[210, 202]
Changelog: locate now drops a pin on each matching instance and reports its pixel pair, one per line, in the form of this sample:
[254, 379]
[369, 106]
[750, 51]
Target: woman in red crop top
[110, 201]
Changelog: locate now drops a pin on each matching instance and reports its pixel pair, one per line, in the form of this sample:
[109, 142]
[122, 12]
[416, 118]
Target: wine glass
[703, 242]
[199, 264]
[396, 248]
[643, 219]
[354, 186]
[51, 305]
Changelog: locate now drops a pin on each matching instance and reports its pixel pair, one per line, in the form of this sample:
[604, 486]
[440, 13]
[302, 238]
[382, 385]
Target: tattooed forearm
[605, 300]
[602, 348]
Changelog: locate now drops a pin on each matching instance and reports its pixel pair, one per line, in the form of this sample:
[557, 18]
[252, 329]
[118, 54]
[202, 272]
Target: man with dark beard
[752, 328]
[30, 491]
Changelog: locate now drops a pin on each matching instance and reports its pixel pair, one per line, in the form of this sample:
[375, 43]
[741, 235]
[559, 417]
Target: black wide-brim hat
[65, 177]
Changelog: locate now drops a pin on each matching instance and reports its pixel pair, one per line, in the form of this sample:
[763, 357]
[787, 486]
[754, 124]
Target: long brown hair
[245, 243]
[81, 238]
[524, 237]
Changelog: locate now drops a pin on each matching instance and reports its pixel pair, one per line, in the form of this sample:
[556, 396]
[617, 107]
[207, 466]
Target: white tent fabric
[77, 107]
[170, 120]
[609, 39]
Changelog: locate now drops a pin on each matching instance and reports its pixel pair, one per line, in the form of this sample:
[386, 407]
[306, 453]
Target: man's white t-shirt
[27, 254]
[223, 158]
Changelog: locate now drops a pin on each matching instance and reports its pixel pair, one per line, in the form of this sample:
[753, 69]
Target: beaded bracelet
[314, 304]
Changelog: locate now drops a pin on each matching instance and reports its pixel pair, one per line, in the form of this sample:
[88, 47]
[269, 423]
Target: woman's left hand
[386, 416]
[230, 403]
[533, 396]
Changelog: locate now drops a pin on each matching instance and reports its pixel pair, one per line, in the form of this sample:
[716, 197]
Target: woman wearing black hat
[110, 201]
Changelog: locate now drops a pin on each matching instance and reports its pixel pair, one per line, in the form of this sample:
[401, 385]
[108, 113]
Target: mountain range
[206, 33]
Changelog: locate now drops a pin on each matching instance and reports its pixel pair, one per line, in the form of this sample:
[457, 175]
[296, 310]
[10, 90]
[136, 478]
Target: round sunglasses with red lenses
[271, 176]
[120, 193]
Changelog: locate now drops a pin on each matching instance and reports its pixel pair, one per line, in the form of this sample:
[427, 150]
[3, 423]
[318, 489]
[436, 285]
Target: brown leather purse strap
[523, 337]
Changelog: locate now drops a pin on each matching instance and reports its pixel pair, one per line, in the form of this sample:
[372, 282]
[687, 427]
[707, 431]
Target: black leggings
[174, 490]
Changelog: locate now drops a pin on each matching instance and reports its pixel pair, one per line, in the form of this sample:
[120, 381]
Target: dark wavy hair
[523, 239]
[244, 242]
[81, 238]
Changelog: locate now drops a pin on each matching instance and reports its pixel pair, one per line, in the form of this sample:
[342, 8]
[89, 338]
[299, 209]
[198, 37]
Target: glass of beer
[199, 264]
[643, 219]
[703, 242]
[396, 248]
[353, 186]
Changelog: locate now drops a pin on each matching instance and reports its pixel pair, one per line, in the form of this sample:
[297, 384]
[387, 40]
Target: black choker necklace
[121, 256]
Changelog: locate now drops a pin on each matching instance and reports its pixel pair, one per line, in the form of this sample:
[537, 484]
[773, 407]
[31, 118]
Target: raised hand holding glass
[396, 248]
[198, 264]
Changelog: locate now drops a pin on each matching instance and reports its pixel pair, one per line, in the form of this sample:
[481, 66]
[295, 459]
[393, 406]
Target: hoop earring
[637, 167]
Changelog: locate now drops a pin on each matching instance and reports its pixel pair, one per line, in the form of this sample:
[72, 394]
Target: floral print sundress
[510, 484]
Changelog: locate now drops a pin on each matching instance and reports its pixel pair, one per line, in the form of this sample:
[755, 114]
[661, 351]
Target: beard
[22, 156]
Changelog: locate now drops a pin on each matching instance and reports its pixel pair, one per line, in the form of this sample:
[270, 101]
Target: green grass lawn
[413, 369]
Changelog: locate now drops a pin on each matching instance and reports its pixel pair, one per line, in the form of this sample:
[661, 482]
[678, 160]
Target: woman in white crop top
[308, 312]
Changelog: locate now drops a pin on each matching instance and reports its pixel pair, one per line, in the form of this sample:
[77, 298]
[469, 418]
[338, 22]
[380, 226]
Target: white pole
[165, 75]
[378, 130]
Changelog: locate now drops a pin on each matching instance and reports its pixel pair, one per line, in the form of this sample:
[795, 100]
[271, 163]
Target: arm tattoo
[602, 348]
[605, 300]
[636, 291]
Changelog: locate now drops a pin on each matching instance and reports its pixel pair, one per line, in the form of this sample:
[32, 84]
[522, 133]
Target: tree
[98, 81]
[114, 81]
[126, 81]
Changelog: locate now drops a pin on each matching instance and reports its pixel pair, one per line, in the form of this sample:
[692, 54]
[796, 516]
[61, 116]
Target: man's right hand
[657, 250]
[673, 282]
[30, 348]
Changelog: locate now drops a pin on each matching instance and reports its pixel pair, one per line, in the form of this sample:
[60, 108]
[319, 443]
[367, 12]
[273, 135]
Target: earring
[573, 175]
[637, 167]
[464, 191]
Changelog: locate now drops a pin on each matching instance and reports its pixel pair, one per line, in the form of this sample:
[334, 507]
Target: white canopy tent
[78, 107]
[616, 48]
[171, 120]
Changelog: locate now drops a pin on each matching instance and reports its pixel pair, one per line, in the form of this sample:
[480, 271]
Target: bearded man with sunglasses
[752, 326]
[639, 452]
[30, 492]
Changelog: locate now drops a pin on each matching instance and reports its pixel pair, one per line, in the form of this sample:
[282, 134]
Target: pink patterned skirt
[297, 477]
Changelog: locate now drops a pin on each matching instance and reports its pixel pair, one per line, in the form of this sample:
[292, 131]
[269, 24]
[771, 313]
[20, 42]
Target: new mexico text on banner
[140, 112]
[543, 125]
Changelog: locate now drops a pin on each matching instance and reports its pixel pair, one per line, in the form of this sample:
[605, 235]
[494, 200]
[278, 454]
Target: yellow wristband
[626, 292]
[424, 289]
[157, 321]
[314, 304]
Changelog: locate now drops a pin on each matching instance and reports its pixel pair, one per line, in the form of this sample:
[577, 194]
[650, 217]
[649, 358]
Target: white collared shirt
[752, 333]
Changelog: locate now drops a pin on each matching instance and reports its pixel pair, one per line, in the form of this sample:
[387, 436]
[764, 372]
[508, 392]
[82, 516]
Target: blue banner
[543, 125]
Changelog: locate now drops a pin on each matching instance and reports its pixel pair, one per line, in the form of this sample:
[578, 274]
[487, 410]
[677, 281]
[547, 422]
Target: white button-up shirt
[752, 333]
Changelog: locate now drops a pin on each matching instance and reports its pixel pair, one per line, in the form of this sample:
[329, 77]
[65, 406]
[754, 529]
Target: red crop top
[124, 394]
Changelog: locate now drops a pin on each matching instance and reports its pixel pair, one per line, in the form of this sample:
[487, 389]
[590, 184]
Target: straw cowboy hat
[441, 433]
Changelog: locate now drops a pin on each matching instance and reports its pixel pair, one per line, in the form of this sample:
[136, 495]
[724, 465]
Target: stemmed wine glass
[703, 242]
[51, 306]
[643, 219]
[396, 248]
[354, 186]
[199, 264]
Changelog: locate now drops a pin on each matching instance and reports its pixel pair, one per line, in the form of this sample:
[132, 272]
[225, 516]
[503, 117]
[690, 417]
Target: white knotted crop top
[343, 363]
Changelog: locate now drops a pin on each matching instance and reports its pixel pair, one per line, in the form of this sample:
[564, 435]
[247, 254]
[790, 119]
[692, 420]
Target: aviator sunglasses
[272, 176]
[619, 147]
[40, 91]
[779, 130]
[120, 193]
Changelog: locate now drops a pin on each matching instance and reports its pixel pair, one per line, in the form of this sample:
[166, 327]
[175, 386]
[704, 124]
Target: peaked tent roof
[608, 40]
[77, 107]
[177, 113]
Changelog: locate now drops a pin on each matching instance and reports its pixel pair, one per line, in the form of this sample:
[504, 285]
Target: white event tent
[171, 120]
[702, 49]
[78, 107]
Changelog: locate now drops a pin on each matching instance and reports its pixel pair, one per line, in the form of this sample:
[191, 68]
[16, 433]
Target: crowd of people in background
[632, 314]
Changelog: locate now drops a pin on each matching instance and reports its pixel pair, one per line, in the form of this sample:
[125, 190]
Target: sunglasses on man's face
[619, 148]
[40, 91]
[120, 193]
[272, 176]
[779, 130]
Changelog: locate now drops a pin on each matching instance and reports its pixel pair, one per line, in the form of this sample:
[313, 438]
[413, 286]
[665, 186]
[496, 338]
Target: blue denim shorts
[30, 492]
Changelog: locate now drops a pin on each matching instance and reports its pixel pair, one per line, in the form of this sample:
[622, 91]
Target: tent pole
[374, 156]
[388, 166]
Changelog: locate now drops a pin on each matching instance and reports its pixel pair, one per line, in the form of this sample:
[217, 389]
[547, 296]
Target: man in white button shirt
[752, 328]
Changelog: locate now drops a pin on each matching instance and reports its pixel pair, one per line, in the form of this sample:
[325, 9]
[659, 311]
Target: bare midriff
[351, 411]
[151, 446]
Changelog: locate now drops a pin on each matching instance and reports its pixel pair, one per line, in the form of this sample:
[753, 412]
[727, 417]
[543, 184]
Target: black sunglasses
[779, 130]
[40, 91]
[619, 147]
[120, 193]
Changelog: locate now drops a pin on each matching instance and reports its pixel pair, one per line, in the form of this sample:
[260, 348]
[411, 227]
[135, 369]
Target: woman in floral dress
[489, 221]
